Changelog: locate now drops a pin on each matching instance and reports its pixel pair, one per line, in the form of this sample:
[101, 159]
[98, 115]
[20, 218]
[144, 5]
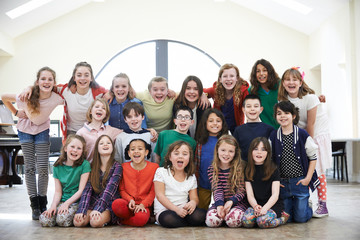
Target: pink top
[36, 123]
[91, 135]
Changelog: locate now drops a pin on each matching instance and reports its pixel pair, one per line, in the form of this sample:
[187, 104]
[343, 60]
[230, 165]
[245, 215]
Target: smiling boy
[183, 119]
[157, 105]
[253, 127]
[133, 115]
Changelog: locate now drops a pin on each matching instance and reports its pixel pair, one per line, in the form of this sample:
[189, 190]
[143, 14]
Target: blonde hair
[107, 110]
[236, 169]
[157, 79]
[304, 89]
[131, 90]
[220, 98]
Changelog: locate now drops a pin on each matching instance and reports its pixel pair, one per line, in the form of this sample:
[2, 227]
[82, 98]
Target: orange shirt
[138, 185]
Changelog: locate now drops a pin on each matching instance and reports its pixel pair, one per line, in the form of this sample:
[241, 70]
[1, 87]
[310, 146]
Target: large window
[171, 59]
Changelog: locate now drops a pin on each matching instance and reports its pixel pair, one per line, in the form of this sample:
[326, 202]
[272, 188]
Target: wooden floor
[343, 222]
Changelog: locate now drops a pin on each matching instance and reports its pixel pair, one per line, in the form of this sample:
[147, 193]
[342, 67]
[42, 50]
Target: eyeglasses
[181, 117]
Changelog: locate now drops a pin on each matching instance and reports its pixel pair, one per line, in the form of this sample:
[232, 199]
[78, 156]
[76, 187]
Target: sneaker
[321, 211]
[284, 217]
[310, 204]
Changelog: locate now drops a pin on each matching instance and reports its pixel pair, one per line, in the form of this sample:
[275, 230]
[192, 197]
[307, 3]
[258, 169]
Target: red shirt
[138, 185]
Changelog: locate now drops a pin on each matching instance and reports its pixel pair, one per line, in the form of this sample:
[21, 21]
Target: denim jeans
[42, 137]
[296, 199]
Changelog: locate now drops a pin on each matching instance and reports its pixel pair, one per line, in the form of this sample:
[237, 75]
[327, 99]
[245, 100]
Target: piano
[9, 148]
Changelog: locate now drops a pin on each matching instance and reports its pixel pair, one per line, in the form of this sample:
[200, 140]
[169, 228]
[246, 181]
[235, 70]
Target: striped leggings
[36, 157]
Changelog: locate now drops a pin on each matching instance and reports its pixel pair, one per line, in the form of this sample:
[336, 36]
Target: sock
[322, 189]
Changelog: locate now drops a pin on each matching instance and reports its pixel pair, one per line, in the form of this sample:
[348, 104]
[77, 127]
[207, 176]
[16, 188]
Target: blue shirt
[207, 156]
[116, 117]
[228, 111]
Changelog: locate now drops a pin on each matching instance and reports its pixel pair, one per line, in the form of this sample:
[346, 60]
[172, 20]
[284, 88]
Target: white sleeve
[311, 148]
[158, 177]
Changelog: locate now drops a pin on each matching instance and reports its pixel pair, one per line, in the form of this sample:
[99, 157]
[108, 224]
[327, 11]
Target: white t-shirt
[176, 192]
[307, 103]
[77, 107]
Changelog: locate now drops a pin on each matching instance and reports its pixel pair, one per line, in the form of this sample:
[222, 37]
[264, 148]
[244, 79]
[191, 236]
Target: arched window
[173, 60]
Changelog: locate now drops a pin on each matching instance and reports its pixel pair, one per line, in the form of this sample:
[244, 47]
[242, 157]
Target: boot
[42, 203]
[35, 207]
[321, 211]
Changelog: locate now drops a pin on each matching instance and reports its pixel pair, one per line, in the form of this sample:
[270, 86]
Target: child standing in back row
[33, 131]
[294, 152]
[228, 93]
[314, 120]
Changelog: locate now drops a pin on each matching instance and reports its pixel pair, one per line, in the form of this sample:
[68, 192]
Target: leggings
[232, 219]
[128, 217]
[36, 162]
[269, 220]
[170, 219]
[62, 220]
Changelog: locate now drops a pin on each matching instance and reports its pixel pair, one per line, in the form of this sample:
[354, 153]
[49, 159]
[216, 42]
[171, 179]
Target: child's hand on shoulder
[132, 205]
[181, 212]
[139, 208]
[154, 135]
[190, 207]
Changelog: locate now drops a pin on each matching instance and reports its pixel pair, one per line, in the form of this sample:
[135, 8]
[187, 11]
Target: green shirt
[69, 178]
[268, 100]
[166, 138]
[159, 115]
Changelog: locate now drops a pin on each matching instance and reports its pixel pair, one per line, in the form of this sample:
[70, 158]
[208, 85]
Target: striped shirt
[222, 192]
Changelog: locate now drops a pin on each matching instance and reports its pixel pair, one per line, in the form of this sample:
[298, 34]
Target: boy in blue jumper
[253, 127]
[294, 151]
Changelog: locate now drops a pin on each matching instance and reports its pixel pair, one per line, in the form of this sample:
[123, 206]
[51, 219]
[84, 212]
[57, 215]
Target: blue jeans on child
[296, 199]
[42, 137]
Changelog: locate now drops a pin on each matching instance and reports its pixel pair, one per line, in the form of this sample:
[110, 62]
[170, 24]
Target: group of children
[122, 163]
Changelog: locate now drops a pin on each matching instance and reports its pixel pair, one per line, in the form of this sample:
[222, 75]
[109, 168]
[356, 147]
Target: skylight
[294, 5]
[27, 7]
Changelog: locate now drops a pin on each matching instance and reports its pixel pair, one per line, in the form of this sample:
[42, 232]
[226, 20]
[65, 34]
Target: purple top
[222, 191]
[102, 201]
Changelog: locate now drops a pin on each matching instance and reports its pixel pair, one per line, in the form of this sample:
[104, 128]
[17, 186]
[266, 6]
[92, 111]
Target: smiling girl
[102, 189]
[136, 187]
[228, 93]
[33, 131]
[227, 184]
[71, 172]
[262, 182]
[97, 115]
[176, 189]
[191, 91]
[122, 93]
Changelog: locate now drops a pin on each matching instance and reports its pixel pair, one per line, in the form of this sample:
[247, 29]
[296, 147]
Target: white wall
[332, 48]
[226, 31]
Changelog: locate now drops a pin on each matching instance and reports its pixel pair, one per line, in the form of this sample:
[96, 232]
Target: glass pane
[137, 62]
[185, 60]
